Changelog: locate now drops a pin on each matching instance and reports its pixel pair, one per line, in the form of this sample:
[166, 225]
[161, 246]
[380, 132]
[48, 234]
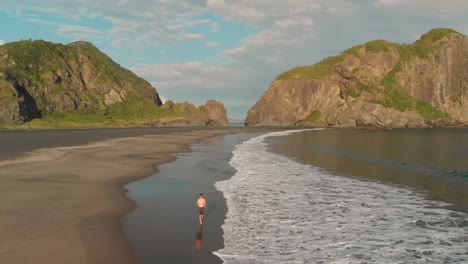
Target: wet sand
[15, 142]
[164, 227]
[63, 204]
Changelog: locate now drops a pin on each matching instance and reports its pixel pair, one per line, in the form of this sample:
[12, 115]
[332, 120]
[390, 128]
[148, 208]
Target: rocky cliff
[38, 78]
[212, 113]
[378, 84]
[78, 84]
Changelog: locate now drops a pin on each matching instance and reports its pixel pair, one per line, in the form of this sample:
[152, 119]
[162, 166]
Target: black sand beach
[63, 195]
[164, 227]
[15, 142]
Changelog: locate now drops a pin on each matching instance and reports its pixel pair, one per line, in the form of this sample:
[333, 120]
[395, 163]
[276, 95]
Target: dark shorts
[201, 210]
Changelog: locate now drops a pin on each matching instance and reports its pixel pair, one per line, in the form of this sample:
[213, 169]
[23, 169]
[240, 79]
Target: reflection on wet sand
[199, 239]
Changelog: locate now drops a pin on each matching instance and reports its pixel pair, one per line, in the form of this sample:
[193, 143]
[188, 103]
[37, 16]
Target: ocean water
[344, 196]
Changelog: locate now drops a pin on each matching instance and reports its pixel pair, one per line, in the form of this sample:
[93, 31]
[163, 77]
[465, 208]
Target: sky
[227, 50]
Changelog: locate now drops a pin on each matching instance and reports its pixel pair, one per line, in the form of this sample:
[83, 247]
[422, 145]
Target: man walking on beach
[201, 204]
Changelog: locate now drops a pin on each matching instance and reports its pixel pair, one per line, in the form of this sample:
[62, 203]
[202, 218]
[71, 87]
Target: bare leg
[200, 217]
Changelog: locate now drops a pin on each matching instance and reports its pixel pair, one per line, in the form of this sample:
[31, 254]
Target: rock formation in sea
[377, 84]
[40, 79]
[212, 113]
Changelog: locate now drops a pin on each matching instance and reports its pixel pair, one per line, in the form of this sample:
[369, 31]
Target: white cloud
[191, 36]
[39, 21]
[122, 42]
[177, 70]
[196, 75]
[78, 32]
[126, 42]
[236, 51]
[122, 2]
[445, 9]
[264, 12]
[156, 22]
[280, 41]
[285, 29]
[211, 44]
[174, 27]
[60, 9]
[196, 22]
[238, 11]
[2, 42]
[215, 27]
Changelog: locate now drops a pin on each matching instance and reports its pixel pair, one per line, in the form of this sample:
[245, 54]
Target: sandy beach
[63, 204]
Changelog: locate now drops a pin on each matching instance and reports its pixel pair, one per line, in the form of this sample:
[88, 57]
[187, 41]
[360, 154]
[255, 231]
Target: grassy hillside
[38, 63]
[133, 112]
[393, 96]
[421, 48]
[44, 73]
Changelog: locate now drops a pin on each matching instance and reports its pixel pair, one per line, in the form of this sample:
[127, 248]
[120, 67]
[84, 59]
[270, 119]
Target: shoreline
[166, 214]
[64, 204]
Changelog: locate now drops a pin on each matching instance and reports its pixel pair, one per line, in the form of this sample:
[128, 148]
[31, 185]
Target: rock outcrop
[377, 84]
[216, 113]
[213, 113]
[38, 78]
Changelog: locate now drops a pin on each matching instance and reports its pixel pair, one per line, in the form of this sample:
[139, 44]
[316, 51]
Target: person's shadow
[199, 239]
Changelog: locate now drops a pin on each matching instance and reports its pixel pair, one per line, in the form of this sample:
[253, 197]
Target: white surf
[284, 211]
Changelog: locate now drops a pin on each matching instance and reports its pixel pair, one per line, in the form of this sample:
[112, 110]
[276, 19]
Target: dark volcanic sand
[15, 142]
[76, 192]
[164, 227]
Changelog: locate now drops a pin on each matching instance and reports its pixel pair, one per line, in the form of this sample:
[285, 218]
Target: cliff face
[379, 84]
[216, 113]
[39, 78]
[212, 113]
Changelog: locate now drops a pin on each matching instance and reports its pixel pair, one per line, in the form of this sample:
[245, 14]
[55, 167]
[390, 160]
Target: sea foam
[284, 211]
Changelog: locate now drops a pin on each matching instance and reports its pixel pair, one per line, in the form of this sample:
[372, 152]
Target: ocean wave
[283, 211]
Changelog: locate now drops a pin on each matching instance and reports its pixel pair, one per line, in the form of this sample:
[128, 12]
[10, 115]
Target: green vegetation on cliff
[327, 66]
[397, 97]
[32, 59]
[73, 85]
[56, 69]
[134, 111]
[312, 118]
[317, 71]
[393, 95]
[421, 48]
